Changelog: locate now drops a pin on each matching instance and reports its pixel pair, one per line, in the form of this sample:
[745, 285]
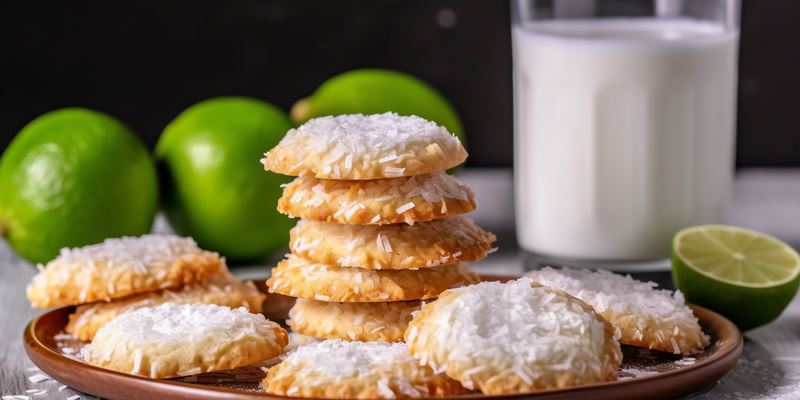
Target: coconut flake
[393, 172]
[387, 247]
[351, 211]
[348, 161]
[379, 243]
[38, 378]
[405, 207]
[137, 361]
[387, 159]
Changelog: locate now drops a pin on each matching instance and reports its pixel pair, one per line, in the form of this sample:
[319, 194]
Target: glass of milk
[624, 119]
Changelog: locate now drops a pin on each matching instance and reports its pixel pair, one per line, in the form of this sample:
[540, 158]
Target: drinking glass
[624, 119]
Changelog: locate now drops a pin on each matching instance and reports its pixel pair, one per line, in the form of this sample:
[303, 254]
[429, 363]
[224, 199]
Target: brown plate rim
[117, 385]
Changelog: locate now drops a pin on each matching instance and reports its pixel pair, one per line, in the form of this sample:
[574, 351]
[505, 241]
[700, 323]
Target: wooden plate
[644, 374]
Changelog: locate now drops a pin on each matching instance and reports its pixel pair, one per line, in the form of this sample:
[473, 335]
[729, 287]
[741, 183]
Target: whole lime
[74, 177]
[213, 187]
[374, 91]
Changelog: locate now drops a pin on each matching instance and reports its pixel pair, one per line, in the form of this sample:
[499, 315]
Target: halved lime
[747, 276]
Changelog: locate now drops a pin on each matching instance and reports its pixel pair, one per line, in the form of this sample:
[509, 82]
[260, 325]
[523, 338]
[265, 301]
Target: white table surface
[767, 200]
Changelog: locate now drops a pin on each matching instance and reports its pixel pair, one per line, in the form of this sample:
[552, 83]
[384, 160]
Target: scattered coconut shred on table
[38, 378]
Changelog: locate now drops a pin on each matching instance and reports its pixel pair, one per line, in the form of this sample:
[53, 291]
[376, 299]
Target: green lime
[74, 177]
[213, 187]
[744, 275]
[374, 91]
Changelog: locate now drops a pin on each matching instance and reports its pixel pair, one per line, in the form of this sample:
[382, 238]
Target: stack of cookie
[380, 230]
[105, 280]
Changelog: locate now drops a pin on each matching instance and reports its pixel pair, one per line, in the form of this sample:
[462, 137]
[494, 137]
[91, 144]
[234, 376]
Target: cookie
[647, 317]
[365, 147]
[363, 322]
[336, 369]
[222, 290]
[379, 202]
[181, 339]
[398, 246]
[515, 337]
[298, 277]
[118, 268]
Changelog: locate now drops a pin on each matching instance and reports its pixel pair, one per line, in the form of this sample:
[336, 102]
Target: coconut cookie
[398, 246]
[647, 317]
[178, 340]
[335, 369]
[364, 322]
[121, 267]
[514, 338]
[222, 290]
[365, 147]
[377, 202]
[298, 277]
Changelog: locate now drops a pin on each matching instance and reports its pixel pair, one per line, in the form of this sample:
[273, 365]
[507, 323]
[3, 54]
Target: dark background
[145, 61]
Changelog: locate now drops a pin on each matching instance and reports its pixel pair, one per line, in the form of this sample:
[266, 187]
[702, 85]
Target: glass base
[533, 261]
[658, 271]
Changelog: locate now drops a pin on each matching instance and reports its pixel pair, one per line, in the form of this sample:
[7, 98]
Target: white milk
[624, 134]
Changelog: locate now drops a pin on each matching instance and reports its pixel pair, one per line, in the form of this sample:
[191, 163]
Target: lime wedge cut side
[744, 275]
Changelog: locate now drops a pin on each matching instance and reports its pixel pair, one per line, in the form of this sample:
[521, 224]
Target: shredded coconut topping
[222, 290]
[387, 365]
[155, 335]
[172, 323]
[435, 190]
[394, 246]
[631, 305]
[517, 332]
[89, 270]
[138, 253]
[360, 146]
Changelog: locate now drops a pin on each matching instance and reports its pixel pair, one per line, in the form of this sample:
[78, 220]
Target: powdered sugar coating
[647, 317]
[222, 290]
[179, 340]
[377, 202]
[121, 267]
[425, 244]
[514, 338]
[357, 370]
[360, 146]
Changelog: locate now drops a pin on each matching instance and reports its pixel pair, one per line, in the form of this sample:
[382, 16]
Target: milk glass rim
[731, 21]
